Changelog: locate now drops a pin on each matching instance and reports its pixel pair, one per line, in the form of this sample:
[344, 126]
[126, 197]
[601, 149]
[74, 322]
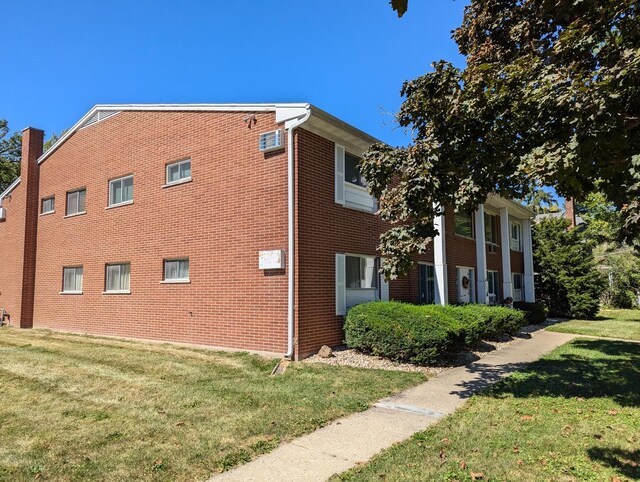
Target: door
[465, 285]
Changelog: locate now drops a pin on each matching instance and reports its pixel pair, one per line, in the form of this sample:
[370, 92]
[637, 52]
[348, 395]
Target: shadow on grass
[626, 462]
[608, 369]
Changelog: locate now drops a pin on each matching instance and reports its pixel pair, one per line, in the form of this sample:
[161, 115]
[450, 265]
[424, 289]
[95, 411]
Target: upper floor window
[72, 279]
[76, 202]
[176, 270]
[352, 173]
[491, 229]
[48, 205]
[463, 224]
[350, 186]
[516, 237]
[121, 191]
[179, 171]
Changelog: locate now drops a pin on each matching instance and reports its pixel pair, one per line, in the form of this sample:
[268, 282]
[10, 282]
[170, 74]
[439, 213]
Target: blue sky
[348, 57]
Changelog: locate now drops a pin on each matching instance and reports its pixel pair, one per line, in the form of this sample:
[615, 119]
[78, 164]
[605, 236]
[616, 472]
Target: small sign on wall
[273, 259]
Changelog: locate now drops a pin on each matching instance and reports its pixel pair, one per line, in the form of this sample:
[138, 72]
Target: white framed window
[491, 229]
[517, 286]
[72, 279]
[350, 186]
[121, 191]
[176, 270]
[117, 278]
[463, 224]
[178, 172]
[48, 205]
[270, 141]
[426, 283]
[493, 289]
[76, 202]
[356, 281]
[515, 237]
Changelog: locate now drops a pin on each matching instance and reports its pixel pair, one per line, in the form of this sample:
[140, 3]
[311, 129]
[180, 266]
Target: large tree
[550, 95]
[10, 150]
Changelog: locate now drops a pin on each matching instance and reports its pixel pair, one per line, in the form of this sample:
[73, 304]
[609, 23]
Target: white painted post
[481, 257]
[505, 241]
[440, 261]
[529, 292]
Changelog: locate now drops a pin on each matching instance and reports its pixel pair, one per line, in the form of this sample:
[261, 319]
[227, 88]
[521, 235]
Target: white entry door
[466, 292]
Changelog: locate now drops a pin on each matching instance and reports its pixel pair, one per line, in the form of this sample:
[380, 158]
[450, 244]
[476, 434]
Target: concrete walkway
[356, 438]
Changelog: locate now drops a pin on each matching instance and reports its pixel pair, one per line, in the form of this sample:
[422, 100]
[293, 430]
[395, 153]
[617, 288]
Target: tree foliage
[550, 95]
[622, 269]
[10, 151]
[568, 282]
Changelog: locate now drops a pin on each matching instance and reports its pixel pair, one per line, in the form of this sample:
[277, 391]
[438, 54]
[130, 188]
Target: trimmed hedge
[424, 334]
[535, 313]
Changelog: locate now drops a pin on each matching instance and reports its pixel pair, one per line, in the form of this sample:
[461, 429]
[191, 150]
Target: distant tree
[549, 95]
[10, 150]
[602, 220]
[53, 139]
[541, 201]
[569, 282]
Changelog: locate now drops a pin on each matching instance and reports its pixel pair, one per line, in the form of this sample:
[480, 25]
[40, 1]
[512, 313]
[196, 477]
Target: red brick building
[236, 226]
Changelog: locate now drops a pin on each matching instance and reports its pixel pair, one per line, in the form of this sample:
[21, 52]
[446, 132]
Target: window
[427, 283]
[76, 202]
[48, 205]
[179, 171]
[118, 278]
[517, 286]
[121, 191]
[463, 224]
[516, 237]
[176, 269]
[72, 279]
[491, 229]
[352, 170]
[360, 272]
[492, 287]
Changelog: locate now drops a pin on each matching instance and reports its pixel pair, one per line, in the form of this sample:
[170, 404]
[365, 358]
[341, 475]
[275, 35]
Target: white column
[481, 257]
[440, 261]
[505, 241]
[529, 294]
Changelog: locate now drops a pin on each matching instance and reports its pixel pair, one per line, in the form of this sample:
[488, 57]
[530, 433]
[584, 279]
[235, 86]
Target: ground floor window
[517, 286]
[360, 279]
[72, 279]
[427, 283]
[117, 277]
[466, 285]
[493, 289]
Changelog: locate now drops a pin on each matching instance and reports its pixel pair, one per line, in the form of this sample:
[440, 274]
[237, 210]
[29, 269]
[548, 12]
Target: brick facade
[234, 207]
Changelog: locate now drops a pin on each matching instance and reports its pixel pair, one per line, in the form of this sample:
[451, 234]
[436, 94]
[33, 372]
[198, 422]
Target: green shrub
[424, 334]
[535, 313]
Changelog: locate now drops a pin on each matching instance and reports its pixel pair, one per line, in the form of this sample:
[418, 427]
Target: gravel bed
[346, 357]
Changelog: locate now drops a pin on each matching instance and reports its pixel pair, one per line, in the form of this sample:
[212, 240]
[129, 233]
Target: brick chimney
[570, 211]
[32, 148]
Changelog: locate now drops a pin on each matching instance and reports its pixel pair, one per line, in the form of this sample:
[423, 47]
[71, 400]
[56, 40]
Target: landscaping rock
[325, 352]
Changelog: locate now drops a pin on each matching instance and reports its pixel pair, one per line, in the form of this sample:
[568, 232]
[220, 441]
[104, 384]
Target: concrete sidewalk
[356, 438]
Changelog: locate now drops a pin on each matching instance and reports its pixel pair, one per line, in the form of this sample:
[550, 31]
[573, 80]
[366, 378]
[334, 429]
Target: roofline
[317, 112]
[11, 187]
[517, 207]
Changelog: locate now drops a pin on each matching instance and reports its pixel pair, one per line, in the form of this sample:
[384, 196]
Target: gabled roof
[6, 192]
[319, 119]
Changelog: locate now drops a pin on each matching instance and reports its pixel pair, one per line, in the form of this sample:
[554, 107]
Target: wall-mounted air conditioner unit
[270, 141]
[3, 214]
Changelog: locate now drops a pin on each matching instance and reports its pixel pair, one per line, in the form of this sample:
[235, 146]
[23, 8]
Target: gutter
[290, 126]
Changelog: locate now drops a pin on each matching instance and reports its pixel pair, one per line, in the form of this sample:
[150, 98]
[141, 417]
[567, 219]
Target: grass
[573, 415]
[610, 323]
[87, 408]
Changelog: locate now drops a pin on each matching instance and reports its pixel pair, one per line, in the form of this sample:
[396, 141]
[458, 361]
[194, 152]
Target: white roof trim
[284, 112]
[9, 189]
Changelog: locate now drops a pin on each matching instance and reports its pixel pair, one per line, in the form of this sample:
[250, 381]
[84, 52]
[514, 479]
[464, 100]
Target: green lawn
[86, 408]
[610, 323]
[574, 415]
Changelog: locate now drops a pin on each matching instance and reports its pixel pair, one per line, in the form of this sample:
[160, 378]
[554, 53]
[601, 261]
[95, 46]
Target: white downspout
[290, 126]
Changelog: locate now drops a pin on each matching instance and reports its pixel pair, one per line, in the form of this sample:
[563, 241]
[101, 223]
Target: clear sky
[348, 57]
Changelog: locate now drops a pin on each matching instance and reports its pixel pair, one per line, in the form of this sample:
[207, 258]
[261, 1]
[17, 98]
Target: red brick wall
[325, 228]
[235, 207]
[12, 248]
[18, 236]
